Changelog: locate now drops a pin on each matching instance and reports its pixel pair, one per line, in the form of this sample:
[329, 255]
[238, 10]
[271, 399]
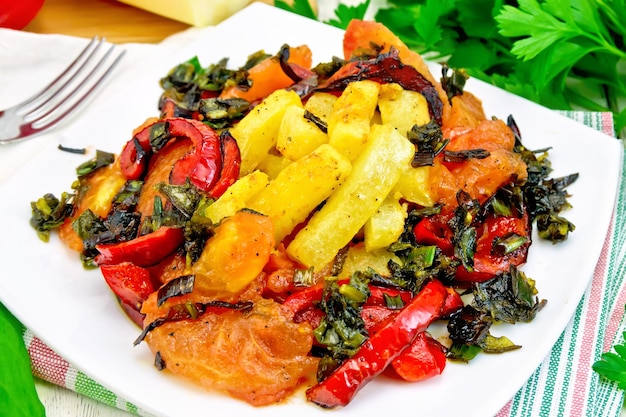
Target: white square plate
[73, 311]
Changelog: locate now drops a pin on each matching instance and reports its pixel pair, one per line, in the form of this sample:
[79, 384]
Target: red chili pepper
[380, 349]
[131, 284]
[230, 167]
[144, 250]
[423, 359]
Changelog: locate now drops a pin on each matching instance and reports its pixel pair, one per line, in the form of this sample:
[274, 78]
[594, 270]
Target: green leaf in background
[301, 7]
[18, 397]
[346, 13]
[612, 366]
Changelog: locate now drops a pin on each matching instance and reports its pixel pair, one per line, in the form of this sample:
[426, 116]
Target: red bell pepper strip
[131, 284]
[203, 165]
[377, 295]
[308, 297]
[136, 153]
[423, 359]
[380, 349]
[230, 167]
[144, 250]
[304, 299]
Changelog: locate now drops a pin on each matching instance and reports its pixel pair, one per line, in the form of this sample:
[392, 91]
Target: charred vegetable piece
[509, 297]
[545, 197]
[48, 213]
[220, 112]
[469, 327]
[429, 142]
[101, 159]
[455, 83]
[176, 287]
[387, 68]
[380, 349]
[144, 250]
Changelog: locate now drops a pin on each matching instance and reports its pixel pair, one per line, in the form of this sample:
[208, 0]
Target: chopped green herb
[49, 212]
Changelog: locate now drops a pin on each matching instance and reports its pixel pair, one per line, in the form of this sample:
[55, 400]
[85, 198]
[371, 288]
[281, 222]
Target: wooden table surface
[115, 21]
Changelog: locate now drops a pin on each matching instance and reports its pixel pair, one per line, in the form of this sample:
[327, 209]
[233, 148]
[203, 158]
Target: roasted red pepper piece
[136, 153]
[131, 284]
[453, 303]
[380, 349]
[434, 230]
[203, 165]
[230, 167]
[423, 359]
[487, 263]
[308, 297]
[144, 250]
[376, 316]
[304, 299]
[377, 295]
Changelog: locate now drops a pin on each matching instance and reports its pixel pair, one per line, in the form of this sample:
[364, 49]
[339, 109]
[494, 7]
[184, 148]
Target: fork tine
[32, 101]
[87, 93]
[42, 112]
[37, 107]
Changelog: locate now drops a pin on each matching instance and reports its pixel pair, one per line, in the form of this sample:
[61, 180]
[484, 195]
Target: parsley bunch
[562, 54]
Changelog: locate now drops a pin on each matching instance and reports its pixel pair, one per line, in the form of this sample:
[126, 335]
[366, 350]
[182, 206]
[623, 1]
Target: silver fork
[62, 96]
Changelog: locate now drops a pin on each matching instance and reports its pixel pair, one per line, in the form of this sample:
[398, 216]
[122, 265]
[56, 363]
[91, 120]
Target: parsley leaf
[301, 7]
[612, 366]
[345, 14]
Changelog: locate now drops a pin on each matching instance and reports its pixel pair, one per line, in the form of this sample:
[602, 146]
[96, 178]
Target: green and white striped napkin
[563, 385]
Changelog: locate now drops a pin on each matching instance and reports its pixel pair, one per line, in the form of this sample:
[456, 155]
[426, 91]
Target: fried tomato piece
[259, 356]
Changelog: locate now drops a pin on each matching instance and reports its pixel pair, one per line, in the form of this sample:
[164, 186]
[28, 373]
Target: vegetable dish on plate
[286, 225]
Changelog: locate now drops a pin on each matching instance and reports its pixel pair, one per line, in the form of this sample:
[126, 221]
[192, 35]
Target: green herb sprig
[612, 365]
